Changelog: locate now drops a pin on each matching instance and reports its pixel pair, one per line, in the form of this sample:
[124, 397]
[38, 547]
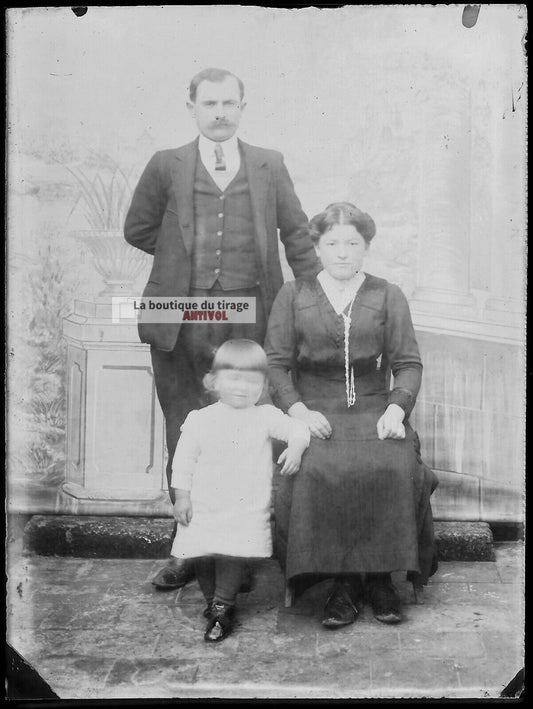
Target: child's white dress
[224, 457]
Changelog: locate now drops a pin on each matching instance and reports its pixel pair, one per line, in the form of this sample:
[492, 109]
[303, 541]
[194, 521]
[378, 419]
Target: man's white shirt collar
[232, 158]
[206, 147]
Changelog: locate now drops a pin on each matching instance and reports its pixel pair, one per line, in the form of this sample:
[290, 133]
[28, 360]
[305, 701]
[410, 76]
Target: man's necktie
[220, 163]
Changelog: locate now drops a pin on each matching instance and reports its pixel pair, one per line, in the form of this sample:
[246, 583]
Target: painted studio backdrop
[417, 119]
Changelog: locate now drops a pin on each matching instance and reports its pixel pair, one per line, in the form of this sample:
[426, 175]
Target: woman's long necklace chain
[348, 371]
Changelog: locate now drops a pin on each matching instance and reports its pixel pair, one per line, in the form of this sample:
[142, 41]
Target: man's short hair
[211, 74]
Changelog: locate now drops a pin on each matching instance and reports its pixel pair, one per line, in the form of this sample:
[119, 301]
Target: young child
[222, 472]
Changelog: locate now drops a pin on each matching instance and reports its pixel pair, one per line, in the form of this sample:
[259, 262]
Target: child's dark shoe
[220, 623]
[208, 610]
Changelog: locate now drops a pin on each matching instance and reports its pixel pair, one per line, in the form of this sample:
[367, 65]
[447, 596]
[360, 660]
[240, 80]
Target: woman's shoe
[383, 598]
[339, 609]
[220, 623]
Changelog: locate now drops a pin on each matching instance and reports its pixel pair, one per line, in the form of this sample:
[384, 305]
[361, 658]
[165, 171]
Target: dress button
[221, 196]
[219, 233]
[220, 215]
[218, 252]
[217, 271]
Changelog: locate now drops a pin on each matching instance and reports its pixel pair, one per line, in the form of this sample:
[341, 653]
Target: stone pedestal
[115, 434]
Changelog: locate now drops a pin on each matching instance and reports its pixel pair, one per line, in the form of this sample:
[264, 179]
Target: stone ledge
[98, 537]
[464, 541]
[149, 538]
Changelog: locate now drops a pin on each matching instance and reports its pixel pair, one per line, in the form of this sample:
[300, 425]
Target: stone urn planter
[116, 261]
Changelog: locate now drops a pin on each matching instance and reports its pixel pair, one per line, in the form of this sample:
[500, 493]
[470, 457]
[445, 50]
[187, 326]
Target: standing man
[209, 213]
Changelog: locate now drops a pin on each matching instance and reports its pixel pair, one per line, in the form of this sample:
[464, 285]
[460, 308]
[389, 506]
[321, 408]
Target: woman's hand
[390, 425]
[318, 424]
[183, 508]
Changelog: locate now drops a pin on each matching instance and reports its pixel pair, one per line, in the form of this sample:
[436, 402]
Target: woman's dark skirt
[358, 504]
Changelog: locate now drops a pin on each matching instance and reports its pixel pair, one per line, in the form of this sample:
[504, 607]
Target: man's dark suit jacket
[160, 221]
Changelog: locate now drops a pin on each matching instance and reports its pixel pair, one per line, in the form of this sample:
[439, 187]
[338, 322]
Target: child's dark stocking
[204, 567]
[229, 574]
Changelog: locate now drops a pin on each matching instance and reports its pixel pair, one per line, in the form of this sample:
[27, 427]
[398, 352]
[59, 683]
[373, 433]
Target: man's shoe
[339, 609]
[383, 598]
[220, 623]
[177, 573]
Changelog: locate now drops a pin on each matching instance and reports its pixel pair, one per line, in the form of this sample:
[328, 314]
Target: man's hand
[318, 424]
[183, 508]
[390, 425]
[292, 457]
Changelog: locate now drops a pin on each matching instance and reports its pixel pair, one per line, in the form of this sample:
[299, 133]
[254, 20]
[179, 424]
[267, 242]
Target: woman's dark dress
[358, 504]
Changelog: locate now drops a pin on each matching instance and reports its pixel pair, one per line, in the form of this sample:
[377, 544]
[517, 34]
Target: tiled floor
[97, 629]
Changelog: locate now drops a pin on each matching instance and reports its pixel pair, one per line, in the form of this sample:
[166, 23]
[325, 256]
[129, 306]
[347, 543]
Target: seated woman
[360, 504]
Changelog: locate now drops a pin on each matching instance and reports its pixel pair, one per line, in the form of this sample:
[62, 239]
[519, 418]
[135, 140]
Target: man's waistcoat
[224, 247]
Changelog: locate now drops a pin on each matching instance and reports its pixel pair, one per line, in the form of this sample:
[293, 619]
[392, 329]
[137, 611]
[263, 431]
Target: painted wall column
[444, 218]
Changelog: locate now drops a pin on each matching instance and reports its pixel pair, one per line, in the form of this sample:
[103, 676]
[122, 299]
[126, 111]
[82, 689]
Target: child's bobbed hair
[240, 354]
